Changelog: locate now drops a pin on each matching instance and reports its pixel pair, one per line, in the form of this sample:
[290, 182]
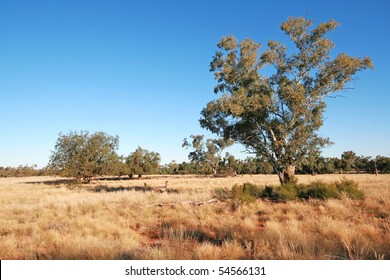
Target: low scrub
[288, 191]
[314, 190]
[246, 192]
[350, 188]
[319, 190]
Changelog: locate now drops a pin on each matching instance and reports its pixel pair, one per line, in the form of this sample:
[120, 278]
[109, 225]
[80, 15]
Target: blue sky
[140, 70]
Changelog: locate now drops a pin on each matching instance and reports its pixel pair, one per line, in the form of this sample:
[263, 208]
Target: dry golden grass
[50, 218]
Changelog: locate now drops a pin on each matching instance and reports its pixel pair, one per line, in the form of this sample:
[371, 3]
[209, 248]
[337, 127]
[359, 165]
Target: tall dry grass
[51, 218]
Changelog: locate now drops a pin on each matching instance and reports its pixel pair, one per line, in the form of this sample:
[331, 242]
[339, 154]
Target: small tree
[229, 162]
[83, 156]
[119, 167]
[141, 161]
[278, 117]
[361, 163]
[208, 152]
[348, 159]
[383, 164]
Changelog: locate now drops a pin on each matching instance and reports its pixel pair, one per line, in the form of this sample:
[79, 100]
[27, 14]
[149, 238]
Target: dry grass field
[50, 218]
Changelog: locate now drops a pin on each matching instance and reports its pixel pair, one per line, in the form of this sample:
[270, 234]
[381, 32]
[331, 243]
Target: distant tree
[348, 159]
[327, 166]
[383, 164]
[316, 164]
[23, 171]
[141, 162]
[264, 167]
[228, 163]
[379, 164]
[170, 168]
[83, 156]
[337, 164]
[278, 117]
[250, 166]
[208, 152]
[311, 163]
[187, 168]
[119, 167]
[361, 163]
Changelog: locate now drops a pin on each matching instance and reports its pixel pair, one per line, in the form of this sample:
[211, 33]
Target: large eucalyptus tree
[277, 116]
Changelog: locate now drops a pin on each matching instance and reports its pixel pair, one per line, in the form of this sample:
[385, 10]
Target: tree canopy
[81, 155]
[277, 116]
[208, 152]
[141, 161]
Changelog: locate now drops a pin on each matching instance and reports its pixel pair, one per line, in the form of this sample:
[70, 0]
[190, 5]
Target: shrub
[350, 188]
[269, 192]
[247, 192]
[293, 180]
[288, 191]
[316, 190]
[320, 190]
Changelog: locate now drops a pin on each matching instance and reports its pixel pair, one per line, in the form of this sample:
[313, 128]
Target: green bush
[350, 188]
[293, 180]
[320, 190]
[247, 192]
[288, 191]
[314, 190]
[269, 192]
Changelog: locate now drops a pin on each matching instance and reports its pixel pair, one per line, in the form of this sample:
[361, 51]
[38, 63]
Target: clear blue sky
[140, 70]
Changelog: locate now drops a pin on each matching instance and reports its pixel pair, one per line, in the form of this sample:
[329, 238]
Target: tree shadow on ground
[120, 189]
[54, 182]
[105, 188]
[121, 178]
[73, 184]
[62, 181]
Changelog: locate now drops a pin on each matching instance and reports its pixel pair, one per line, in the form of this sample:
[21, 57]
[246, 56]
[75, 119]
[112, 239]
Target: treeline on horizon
[349, 162]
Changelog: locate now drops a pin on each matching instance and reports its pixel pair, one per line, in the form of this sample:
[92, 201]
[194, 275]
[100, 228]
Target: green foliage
[81, 155]
[269, 192]
[119, 167]
[278, 117]
[382, 164]
[141, 161]
[347, 160]
[313, 164]
[207, 152]
[320, 190]
[293, 180]
[23, 171]
[314, 190]
[289, 191]
[350, 188]
[246, 193]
